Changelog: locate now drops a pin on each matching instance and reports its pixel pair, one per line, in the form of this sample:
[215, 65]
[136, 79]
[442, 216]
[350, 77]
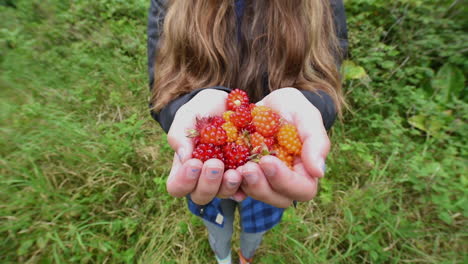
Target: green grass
[83, 166]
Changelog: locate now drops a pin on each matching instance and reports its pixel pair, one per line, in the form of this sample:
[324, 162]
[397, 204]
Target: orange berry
[266, 123]
[257, 140]
[237, 98]
[288, 137]
[283, 155]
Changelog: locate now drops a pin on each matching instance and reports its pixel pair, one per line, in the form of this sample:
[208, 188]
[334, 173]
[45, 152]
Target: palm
[275, 179]
[202, 181]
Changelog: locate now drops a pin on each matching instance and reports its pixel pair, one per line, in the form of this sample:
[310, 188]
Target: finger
[183, 178]
[177, 135]
[205, 103]
[209, 182]
[297, 184]
[313, 155]
[255, 185]
[239, 196]
[230, 184]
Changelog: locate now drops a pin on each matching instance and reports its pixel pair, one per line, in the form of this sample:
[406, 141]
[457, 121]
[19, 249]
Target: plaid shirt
[255, 216]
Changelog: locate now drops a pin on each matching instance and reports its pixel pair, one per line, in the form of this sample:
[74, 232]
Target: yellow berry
[231, 131]
[227, 115]
[260, 108]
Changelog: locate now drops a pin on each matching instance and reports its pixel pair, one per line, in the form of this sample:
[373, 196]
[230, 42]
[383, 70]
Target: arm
[156, 15]
[339, 17]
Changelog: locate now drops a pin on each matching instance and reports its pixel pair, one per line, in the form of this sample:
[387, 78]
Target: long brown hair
[282, 43]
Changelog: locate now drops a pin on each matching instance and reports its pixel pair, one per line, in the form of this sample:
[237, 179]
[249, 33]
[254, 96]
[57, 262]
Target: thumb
[177, 135]
[316, 144]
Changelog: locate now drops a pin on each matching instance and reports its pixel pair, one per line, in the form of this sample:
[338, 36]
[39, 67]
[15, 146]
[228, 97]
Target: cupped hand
[274, 182]
[188, 176]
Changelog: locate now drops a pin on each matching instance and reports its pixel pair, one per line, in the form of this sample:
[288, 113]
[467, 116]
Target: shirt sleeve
[339, 18]
[156, 15]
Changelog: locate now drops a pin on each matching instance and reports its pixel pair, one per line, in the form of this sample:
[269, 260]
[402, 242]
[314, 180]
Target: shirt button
[202, 211]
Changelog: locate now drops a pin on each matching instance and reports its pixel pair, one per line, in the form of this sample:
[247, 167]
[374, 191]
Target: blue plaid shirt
[255, 216]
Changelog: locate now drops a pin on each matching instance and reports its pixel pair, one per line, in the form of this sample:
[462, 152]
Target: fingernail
[232, 184]
[251, 177]
[214, 173]
[234, 198]
[321, 164]
[193, 172]
[269, 170]
[181, 154]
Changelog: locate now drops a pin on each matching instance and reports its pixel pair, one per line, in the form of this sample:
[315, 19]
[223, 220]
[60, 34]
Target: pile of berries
[244, 132]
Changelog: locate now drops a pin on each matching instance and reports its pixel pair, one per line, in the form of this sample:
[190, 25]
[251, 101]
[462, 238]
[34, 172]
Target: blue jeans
[220, 238]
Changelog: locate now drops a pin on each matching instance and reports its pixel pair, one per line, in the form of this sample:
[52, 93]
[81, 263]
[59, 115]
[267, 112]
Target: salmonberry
[266, 123]
[227, 115]
[281, 153]
[243, 138]
[236, 99]
[205, 152]
[250, 128]
[288, 137]
[217, 121]
[241, 118]
[257, 140]
[235, 155]
[231, 131]
[213, 134]
[260, 108]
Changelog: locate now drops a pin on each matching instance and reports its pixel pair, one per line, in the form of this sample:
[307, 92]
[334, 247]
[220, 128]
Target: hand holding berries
[245, 132]
[285, 136]
[199, 171]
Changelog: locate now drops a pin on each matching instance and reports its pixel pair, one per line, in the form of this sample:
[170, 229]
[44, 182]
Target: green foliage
[83, 167]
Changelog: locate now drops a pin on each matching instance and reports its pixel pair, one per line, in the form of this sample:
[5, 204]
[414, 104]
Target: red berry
[217, 121]
[236, 99]
[235, 155]
[205, 152]
[241, 118]
[213, 134]
[202, 122]
[267, 123]
[250, 128]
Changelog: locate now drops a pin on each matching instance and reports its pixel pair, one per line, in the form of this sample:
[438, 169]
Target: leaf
[444, 216]
[388, 65]
[352, 71]
[23, 249]
[448, 82]
[418, 121]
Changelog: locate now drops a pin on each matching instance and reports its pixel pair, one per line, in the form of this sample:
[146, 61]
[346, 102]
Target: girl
[285, 55]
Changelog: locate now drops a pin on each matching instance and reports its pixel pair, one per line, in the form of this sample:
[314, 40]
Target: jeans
[220, 238]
